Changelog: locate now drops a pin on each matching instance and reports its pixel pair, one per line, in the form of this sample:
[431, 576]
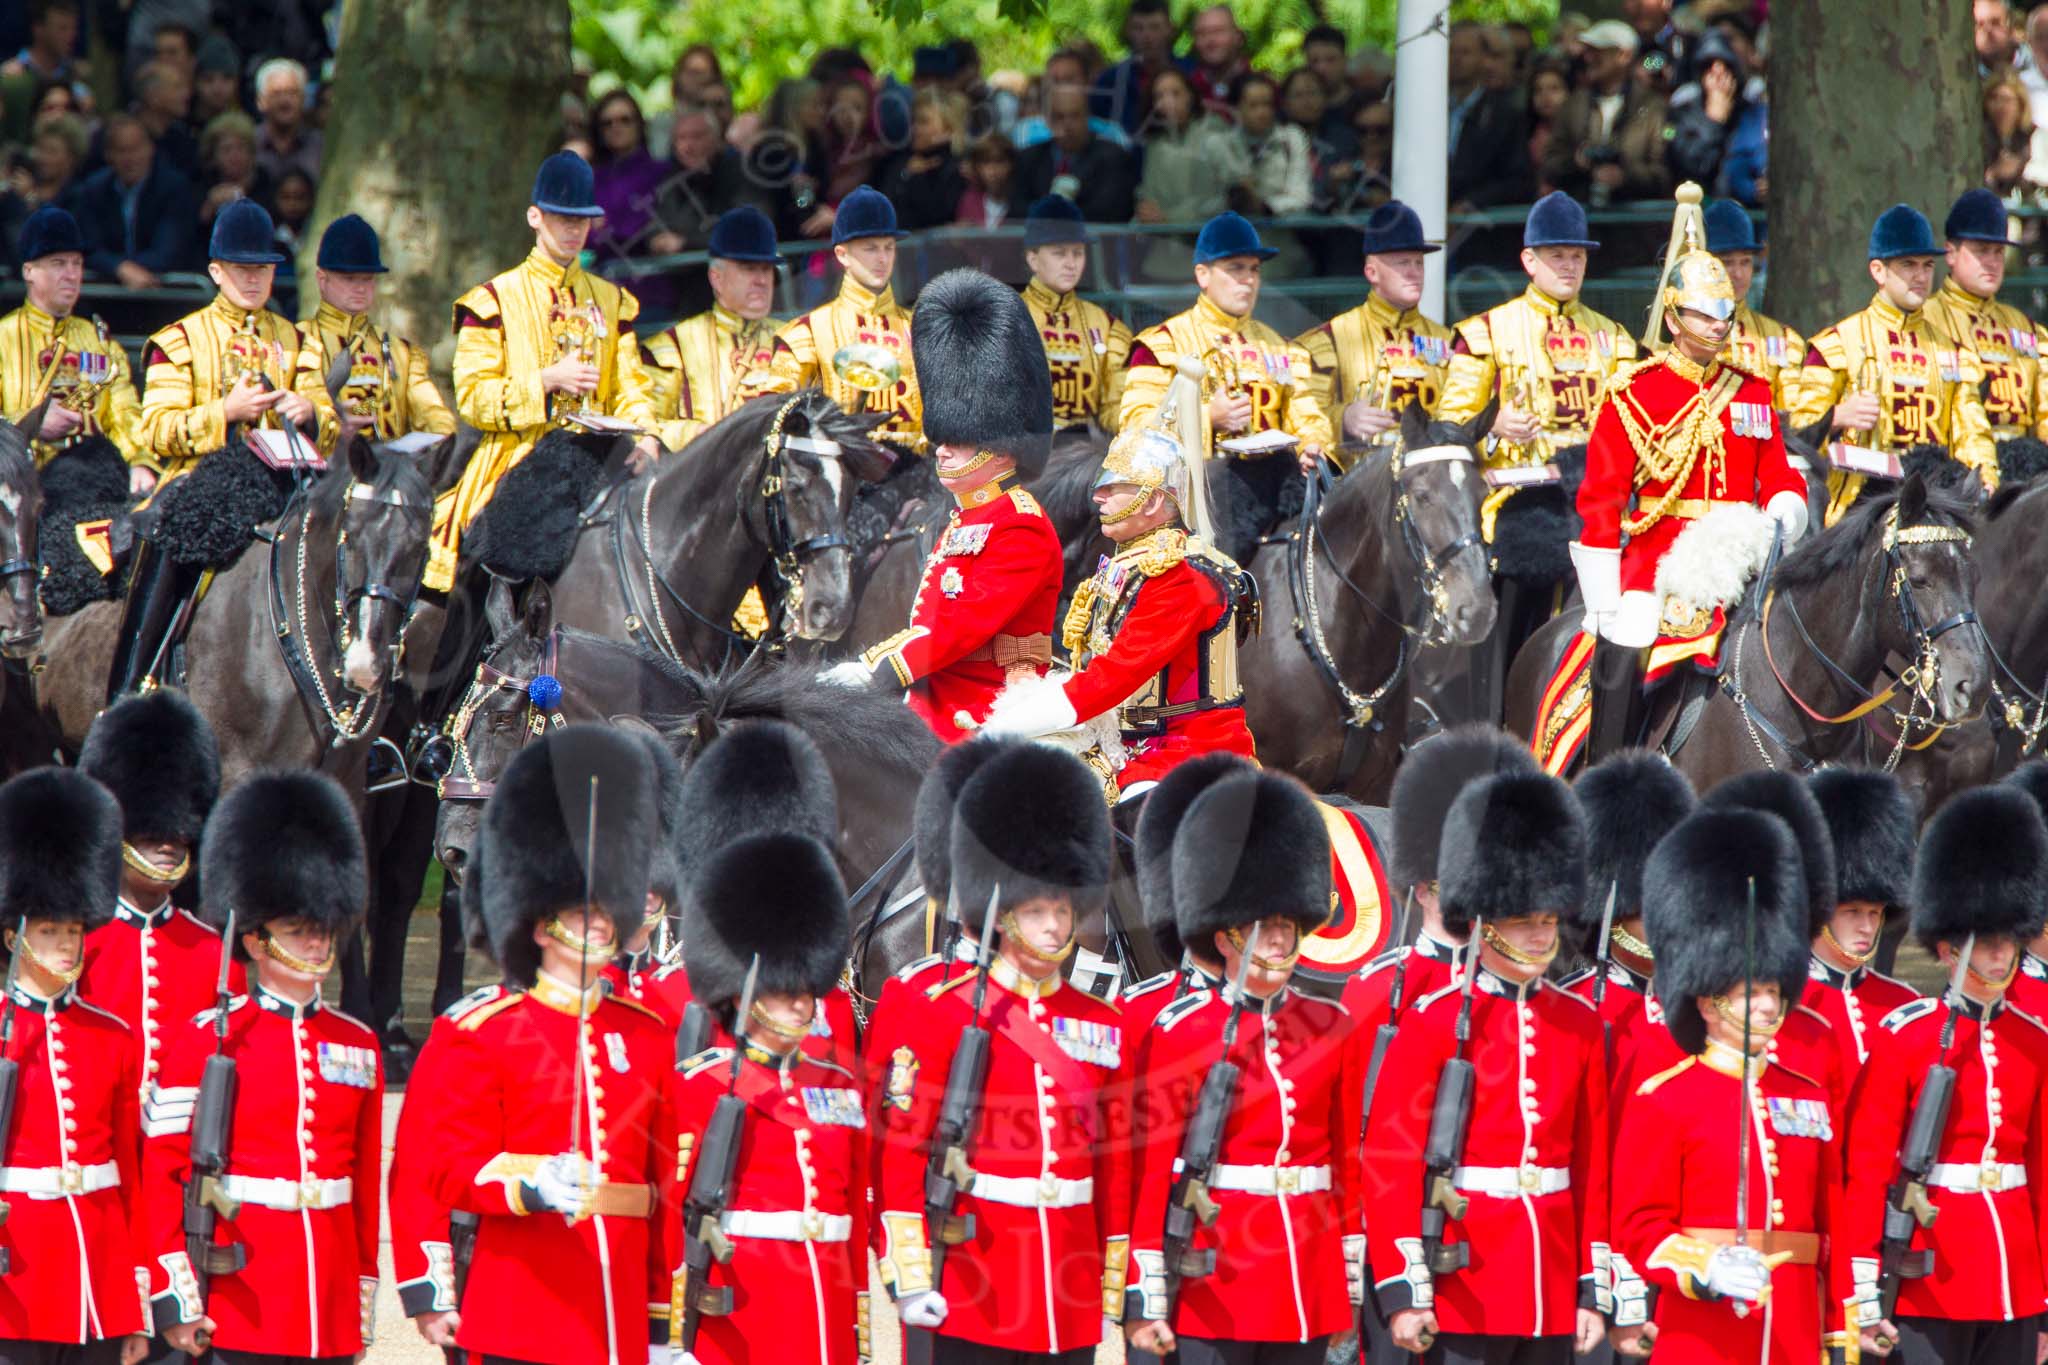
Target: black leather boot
[1617, 699]
[157, 592]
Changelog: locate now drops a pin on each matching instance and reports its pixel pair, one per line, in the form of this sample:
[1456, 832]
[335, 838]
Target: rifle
[1450, 1119]
[946, 1172]
[462, 1226]
[206, 1198]
[693, 1035]
[1383, 1037]
[1745, 1087]
[1602, 956]
[1906, 1206]
[704, 1241]
[1189, 1205]
[10, 1069]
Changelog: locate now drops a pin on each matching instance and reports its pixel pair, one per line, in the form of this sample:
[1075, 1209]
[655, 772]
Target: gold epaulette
[1651, 1086]
[474, 1020]
[173, 342]
[638, 1008]
[1157, 552]
[1025, 504]
[481, 301]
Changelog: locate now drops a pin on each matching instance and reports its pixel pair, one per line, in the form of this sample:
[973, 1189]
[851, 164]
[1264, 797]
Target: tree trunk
[442, 110]
[1873, 103]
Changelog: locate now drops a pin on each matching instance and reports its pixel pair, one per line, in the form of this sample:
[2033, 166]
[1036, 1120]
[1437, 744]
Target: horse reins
[461, 782]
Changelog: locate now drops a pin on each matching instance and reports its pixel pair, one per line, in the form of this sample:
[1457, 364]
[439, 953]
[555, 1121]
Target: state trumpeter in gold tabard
[1887, 377]
[46, 350]
[389, 392]
[1374, 360]
[542, 342]
[1543, 354]
[1967, 312]
[856, 347]
[699, 368]
[1086, 348]
[1759, 345]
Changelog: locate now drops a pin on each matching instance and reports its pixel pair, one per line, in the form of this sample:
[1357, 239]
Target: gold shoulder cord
[1669, 452]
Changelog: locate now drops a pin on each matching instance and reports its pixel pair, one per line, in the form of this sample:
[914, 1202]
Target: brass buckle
[309, 1193]
[1989, 1177]
[814, 1226]
[71, 1178]
[1287, 1179]
[1530, 1178]
[1048, 1190]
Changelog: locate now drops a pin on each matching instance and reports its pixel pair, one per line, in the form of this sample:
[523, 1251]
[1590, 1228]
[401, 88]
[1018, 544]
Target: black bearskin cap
[60, 849]
[1695, 908]
[1030, 823]
[981, 369]
[1514, 844]
[1166, 805]
[1429, 780]
[283, 844]
[665, 871]
[535, 829]
[1873, 828]
[1251, 847]
[1785, 796]
[777, 894]
[1982, 869]
[1629, 800]
[932, 817]
[157, 755]
[764, 775]
[2031, 777]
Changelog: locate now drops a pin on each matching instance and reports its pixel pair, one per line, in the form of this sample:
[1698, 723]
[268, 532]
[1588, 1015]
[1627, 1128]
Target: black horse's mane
[1835, 551]
[1066, 490]
[868, 457]
[395, 474]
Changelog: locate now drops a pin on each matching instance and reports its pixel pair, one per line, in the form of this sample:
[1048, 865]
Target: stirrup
[384, 767]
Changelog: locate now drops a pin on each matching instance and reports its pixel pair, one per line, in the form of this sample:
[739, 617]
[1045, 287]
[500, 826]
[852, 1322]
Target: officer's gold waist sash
[1692, 509]
[1804, 1246]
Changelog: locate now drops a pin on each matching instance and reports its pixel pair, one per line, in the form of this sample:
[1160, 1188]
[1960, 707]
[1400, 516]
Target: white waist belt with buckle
[1025, 1193]
[1512, 1182]
[1271, 1180]
[788, 1225]
[275, 1192]
[1990, 1177]
[58, 1182]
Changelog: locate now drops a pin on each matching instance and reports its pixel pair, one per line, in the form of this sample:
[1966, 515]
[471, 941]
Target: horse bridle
[373, 590]
[543, 707]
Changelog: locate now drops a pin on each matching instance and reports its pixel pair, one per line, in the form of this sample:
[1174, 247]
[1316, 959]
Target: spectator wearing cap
[923, 180]
[1609, 143]
[1489, 161]
[856, 346]
[284, 142]
[1077, 163]
[1927, 389]
[536, 343]
[136, 215]
[389, 393]
[1085, 346]
[216, 80]
[1372, 361]
[699, 368]
[91, 392]
[1967, 312]
[1761, 345]
[1713, 119]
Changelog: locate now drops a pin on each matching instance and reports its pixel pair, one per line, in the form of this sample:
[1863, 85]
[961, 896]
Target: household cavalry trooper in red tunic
[1874, 828]
[765, 930]
[984, 610]
[1280, 1267]
[2029, 988]
[1734, 1283]
[151, 964]
[1153, 635]
[1029, 1258]
[557, 1128]
[71, 1288]
[1678, 439]
[290, 1272]
[1970, 1287]
[1499, 1255]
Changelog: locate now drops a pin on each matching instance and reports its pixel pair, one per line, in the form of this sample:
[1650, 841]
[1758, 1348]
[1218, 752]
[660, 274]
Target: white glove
[1030, 707]
[564, 1182]
[848, 673]
[1599, 574]
[927, 1310]
[1354, 1268]
[1788, 509]
[1738, 1272]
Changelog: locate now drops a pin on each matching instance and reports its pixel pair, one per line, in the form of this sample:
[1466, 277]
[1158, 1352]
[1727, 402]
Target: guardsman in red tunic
[984, 610]
[151, 964]
[1192, 966]
[1756, 1298]
[1874, 829]
[1520, 1275]
[1980, 889]
[71, 1291]
[284, 857]
[1251, 877]
[1153, 635]
[797, 1212]
[1043, 1262]
[1677, 438]
[557, 1128]
[2029, 989]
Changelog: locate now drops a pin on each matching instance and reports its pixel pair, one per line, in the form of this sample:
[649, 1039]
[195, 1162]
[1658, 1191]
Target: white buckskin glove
[1354, 1268]
[1599, 573]
[848, 673]
[1738, 1272]
[926, 1310]
[1788, 509]
[564, 1181]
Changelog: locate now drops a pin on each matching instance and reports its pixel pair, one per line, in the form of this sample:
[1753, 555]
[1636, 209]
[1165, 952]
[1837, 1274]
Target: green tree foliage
[762, 42]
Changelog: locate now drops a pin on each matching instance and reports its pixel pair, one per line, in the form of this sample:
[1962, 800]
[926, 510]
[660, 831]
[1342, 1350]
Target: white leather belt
[1990, 1177]
[788, 1225]
[1271, 1180]
[1025, 1193]
[1512, 1182]
[58, 1182]
[289, 1195]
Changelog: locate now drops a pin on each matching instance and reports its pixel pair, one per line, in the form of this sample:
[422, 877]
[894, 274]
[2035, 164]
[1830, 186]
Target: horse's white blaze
[835, 475]
[359, 664]
[1457, 476]
[10, 498]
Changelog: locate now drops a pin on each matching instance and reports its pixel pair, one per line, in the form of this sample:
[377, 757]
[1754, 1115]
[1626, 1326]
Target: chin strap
[1756, 1030]
[777, 1027]
[1265, 964]
[1827, 932]
[1511, 952]
[597, 952]
[292, 960]
[1630, 944]
[143, 867]
[21, 945]
[1009, 928]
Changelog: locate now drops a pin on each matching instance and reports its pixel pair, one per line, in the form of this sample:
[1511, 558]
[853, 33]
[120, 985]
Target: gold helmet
[1693, 278]
[1155, 456]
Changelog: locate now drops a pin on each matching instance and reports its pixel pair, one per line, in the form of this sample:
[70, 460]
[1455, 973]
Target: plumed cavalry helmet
[60, 849]
[1153, 455]
[157, 755]
[981, 369]
[284, 845]
[1693, 277]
